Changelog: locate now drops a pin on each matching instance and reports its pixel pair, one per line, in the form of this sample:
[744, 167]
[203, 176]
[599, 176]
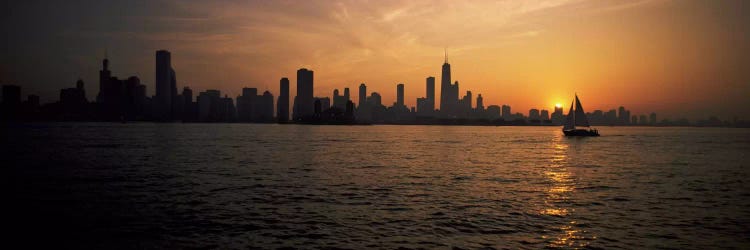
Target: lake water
[147, 185]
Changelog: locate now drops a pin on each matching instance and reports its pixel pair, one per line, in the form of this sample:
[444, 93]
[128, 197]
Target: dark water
[269, 186]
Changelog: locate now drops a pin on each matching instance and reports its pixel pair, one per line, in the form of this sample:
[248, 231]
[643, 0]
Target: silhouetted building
[558, 116]
[544, 115]
[325, 103]
[534, 115]
[118, 99]
[480, 103]
[623, 116]
[339, 101]
[422, 106]
[209, 106]
[304, 101]
[245, 104]
[165, 86]
[282, 105]
[430, 95]
[652, 119]
[362, 94]
[190, 108]
[347, 97]
[464, 106]
[448, 92]
[399, 95]
[506, 113]
[74, 97]
[104, 85]
[265, 107]
[493, 112]
[375, 100]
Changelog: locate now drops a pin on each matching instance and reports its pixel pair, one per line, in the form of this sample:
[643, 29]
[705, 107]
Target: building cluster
[126, 100]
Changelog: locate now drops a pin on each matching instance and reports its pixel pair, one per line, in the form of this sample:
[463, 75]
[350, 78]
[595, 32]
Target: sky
[676, 58]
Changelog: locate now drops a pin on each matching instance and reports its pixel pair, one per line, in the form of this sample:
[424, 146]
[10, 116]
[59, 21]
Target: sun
[558, 105]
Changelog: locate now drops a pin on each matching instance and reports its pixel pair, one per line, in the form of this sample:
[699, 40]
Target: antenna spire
[446, 55]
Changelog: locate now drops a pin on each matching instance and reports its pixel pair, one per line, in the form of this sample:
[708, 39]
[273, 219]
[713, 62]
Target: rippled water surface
[235, 185]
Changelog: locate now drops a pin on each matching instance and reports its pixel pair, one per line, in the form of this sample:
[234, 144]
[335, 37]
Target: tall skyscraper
[362, 94]
[448, 91]
[282, 106]
[400, 95]
[305, 100]
[164, 84]
[430, 95]
[104, 76]
[445, 87]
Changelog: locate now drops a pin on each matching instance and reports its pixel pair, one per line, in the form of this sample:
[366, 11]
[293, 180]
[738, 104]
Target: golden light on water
[562, 187]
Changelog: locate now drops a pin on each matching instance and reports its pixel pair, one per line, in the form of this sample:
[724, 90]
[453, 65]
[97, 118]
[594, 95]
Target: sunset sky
[676, 58]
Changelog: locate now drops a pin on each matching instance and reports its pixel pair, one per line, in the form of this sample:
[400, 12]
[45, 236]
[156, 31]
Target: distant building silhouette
[190, 108]
[245, 104]
[339, 101]
[430, 95]
[623, 116]
[534, 115]
[304, 101]
[558, 116]
[118, 99]
[362, 94]
[213, 108]
[652, 119]
[265, 107]
[480, 103]
[165, 86]
[493, 112]
[507, 115]
[544, 115]
[400, 95]
[282, 105]
[325, 103]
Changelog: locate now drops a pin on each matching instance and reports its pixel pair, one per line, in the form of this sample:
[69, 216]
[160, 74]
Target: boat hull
[581, 132]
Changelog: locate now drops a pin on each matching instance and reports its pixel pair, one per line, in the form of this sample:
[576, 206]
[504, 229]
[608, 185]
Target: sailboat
[576, 124]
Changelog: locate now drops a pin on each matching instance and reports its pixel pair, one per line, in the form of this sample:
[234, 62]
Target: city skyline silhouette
[528, 54]
[126, 100]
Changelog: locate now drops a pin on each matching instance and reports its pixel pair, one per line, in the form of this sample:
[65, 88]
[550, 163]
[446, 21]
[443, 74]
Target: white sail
[570, 119]
[580, 116]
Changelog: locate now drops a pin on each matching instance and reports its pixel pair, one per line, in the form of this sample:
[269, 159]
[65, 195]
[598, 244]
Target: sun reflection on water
[562, 184]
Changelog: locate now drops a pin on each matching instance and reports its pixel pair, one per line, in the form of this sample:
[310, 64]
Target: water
[235, 185]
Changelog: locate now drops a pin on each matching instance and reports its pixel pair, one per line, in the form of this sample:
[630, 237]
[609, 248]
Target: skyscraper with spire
[448, 91]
